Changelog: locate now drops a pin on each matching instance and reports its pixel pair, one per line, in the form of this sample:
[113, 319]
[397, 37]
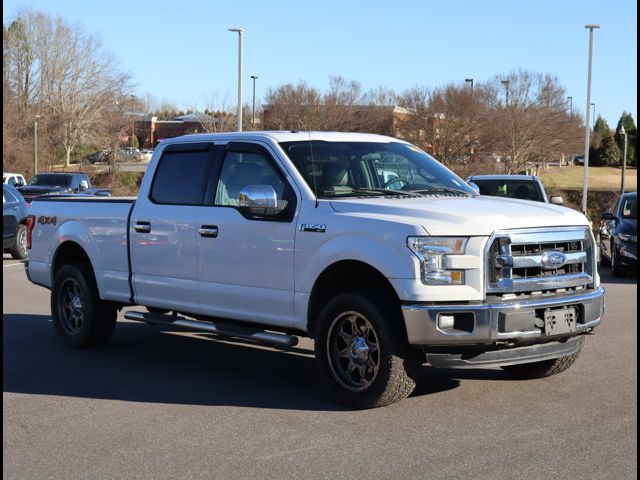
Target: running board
[279, 340]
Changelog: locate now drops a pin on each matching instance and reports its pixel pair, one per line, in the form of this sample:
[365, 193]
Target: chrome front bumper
[498, 323]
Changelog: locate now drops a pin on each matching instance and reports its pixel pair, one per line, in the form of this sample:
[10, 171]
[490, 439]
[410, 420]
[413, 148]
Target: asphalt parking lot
[159, 404]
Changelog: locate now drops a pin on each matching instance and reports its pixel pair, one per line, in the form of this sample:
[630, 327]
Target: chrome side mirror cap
[557, 200]
[474, 186]
[259, 200]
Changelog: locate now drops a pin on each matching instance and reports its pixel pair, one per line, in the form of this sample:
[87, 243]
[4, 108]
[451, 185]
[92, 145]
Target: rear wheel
[361, 353]
[542, 369]
[19, 249]
[80, 317]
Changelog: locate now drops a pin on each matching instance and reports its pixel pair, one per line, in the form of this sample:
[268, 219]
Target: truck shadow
[149, 364]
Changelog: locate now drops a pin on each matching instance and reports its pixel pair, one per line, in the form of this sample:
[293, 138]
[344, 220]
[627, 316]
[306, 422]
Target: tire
[546, 368]
[604, 261]
[19, 249]
[80, 317]
[377, 367]
[616, 269]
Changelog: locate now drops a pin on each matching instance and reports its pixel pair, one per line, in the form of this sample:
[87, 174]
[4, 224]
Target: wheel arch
[343, 276]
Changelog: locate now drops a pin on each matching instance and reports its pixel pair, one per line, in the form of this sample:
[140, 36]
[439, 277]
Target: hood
[31, 190]
[465, 216]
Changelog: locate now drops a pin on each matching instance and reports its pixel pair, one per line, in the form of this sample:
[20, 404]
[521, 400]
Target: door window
[182, 177]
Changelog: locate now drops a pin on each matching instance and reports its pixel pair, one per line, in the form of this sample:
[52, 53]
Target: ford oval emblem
[553, 259]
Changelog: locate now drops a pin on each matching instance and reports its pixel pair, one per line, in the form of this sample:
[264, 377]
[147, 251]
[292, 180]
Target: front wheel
[616, 269]
[546, 368]
[361, 353]
[80, 317]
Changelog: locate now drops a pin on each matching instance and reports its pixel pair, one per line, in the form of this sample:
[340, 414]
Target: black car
[60, 183]
[619, 234]
[14, 214]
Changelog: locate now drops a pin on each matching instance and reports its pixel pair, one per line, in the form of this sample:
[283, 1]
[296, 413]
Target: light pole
[133, 122]
[593, 115]
[253, 108]
[624, 157]
[240, 32]
[35, 145]
[469, 80]
[570, 106]
[587, 127]
[506, 89]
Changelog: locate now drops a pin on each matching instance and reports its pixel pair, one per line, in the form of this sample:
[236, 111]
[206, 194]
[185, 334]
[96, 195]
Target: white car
[13, 179]
[146, 155]
[365, 243]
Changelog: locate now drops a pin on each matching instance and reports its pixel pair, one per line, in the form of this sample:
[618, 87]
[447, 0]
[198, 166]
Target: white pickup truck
[363, 242]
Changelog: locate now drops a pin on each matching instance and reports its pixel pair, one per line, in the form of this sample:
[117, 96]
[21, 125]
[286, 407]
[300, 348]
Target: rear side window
[182, 177]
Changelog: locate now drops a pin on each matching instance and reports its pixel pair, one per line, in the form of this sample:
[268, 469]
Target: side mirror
[474, 186]
[259, 200]
[557, 200]
[607, 216]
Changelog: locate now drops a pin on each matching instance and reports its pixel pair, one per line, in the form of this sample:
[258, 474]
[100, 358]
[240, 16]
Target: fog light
[446, 321]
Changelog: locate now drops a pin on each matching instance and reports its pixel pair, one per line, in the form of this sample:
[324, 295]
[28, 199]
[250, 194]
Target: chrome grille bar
[528, 261]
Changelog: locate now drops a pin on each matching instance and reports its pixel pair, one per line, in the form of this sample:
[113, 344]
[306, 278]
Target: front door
[245, 262]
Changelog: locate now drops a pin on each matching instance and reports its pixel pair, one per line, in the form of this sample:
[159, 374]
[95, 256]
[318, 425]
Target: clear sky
[181, 50]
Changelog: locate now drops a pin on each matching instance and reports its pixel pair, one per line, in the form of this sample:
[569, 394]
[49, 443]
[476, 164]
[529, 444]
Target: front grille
[540, 260]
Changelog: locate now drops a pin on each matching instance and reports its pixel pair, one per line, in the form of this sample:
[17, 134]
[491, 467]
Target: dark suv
[619, 234]
[14, 214]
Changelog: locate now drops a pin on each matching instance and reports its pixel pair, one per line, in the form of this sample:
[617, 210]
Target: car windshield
[630, 207]
[335, 169]
[523, 189]
[51, 180]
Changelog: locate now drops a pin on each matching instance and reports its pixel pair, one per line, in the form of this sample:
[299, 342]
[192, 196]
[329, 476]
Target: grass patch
[606, 179]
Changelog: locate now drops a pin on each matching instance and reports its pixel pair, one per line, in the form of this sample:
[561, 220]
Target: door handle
[142, 227]
[208, 231]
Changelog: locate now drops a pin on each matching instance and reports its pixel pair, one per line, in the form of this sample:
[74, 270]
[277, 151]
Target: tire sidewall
[388, 343]
[90, 301]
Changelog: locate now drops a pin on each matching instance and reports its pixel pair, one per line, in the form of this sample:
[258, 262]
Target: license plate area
[560, 320]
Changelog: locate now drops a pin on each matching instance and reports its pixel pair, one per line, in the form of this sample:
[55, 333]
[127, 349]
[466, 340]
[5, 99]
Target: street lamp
[253, 109]
[133, 124]
[506, 89]
[35, 145]
[587, 129]
[570, 106]
[593, 106]
[240, 32]
[624, 157]
[469, 80]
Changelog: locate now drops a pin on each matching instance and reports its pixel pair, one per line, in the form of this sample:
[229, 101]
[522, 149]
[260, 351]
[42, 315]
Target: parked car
[619, 235]
[524, 187]
[13, 179]
[267, 236]
[146, 155]
[131, 154]
[102, 156]
[14, 215]
[60, 183]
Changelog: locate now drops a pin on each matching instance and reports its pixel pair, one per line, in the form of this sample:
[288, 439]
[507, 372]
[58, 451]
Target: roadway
[157, 404]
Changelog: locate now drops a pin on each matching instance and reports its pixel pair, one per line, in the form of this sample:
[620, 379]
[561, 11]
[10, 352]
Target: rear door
[164, 228]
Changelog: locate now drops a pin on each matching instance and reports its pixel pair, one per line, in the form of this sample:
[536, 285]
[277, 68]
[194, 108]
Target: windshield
[630, 207]
[51, 180]
[370, 168]
[523, 189]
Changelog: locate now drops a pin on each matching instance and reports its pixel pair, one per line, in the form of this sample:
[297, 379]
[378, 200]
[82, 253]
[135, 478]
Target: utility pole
[253, 109]
[240, 31]
[587, 126]
[35, 146]
[624, 157]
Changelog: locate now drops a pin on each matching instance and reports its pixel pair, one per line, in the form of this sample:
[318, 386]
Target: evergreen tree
[632, 133]
[604, 151]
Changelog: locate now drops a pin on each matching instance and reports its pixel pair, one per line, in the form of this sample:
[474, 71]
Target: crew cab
[365, 243]
[60, 183]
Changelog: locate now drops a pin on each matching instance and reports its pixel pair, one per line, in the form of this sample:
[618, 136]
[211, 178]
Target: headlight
[628, 238]
[432, 252]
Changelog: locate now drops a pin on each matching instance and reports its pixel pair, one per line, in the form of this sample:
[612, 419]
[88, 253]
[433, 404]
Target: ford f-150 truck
[365, 243]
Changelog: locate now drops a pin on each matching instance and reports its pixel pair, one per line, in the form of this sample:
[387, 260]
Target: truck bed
[99, 224]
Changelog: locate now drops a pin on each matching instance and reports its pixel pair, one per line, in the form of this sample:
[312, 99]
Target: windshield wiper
[442, 189]
[384, 191]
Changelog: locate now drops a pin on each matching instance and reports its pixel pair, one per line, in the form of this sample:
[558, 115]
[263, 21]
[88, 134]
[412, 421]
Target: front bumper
[496, 323]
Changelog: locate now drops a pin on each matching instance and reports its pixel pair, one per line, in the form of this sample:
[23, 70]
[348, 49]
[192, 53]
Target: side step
[278, 340]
